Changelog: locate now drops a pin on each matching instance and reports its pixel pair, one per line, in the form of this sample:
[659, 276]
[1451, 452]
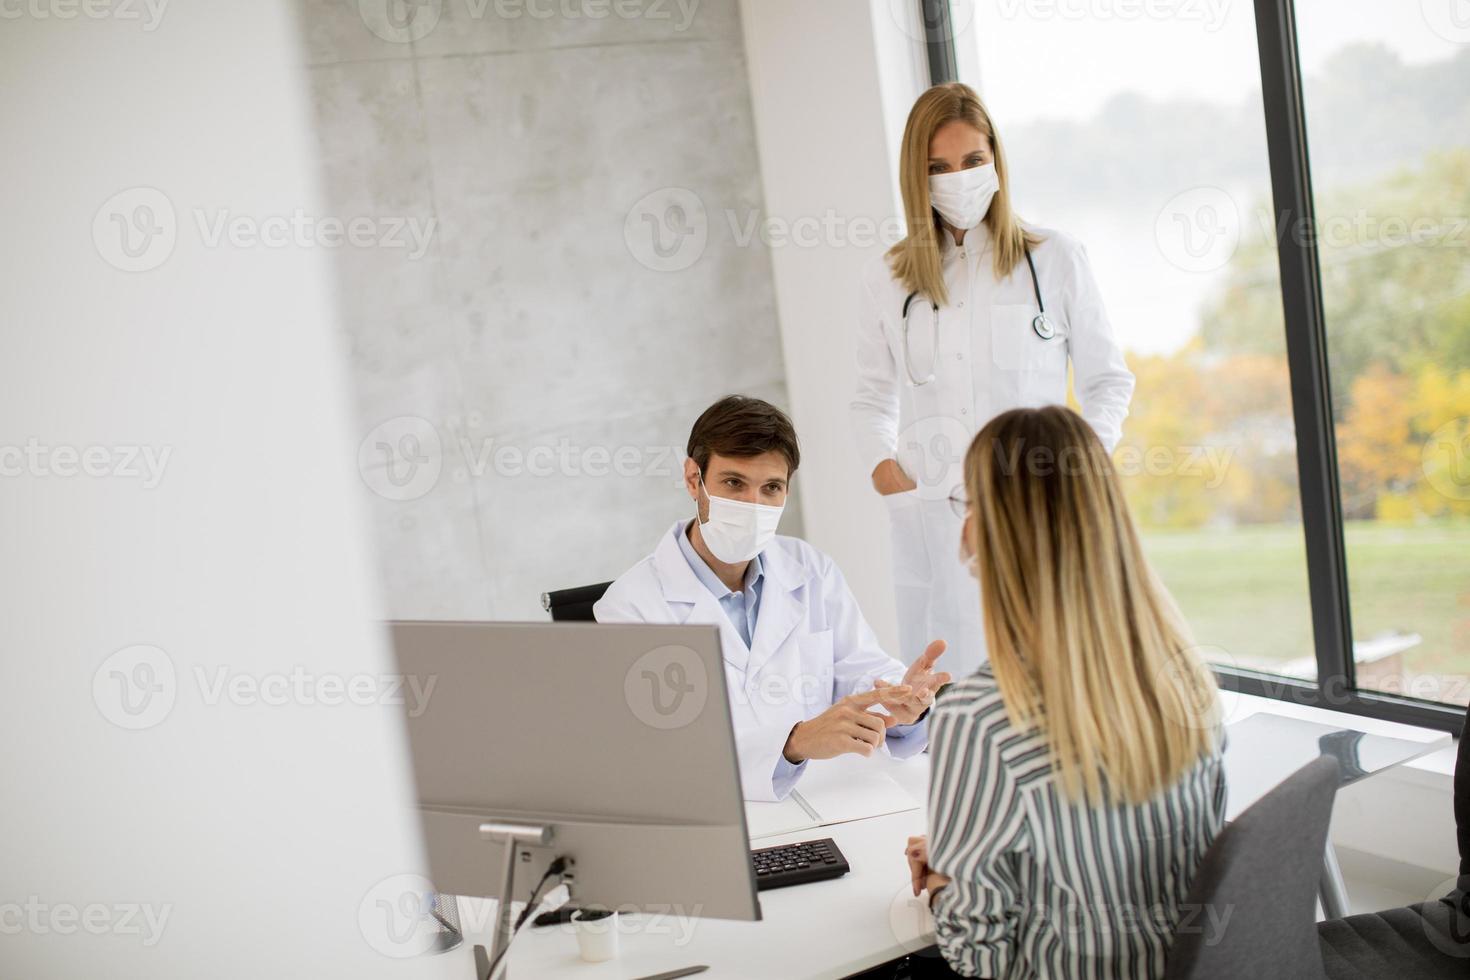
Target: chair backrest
[1251, 911]
[573, 605]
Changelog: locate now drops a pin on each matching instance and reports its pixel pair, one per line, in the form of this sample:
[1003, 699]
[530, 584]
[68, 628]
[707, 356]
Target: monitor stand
[511, 836]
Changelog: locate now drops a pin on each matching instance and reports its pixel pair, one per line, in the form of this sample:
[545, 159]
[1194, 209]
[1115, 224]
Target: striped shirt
[1042, 886]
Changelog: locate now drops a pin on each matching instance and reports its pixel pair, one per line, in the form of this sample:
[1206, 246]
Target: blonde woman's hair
[1085, 642]
[915, 261]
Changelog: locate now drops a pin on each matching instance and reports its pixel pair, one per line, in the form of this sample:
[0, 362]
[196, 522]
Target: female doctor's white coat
[810, 648]
[988, 360]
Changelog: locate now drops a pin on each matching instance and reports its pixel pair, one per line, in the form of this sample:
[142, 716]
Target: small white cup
[597, 938]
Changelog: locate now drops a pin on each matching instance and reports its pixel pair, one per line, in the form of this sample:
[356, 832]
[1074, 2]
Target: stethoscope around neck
[1040, 323]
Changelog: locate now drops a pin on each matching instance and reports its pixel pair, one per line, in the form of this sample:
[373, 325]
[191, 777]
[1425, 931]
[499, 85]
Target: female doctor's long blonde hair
[915, 261]
[1085, 642]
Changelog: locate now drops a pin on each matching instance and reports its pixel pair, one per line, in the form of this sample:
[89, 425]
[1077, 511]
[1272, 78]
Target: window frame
[1306, 354]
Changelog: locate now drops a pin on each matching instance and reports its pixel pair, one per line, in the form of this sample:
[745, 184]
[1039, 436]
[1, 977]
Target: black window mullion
[938, 24]
[1306, 343]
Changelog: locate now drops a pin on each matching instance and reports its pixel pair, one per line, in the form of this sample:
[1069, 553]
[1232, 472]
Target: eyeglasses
[959, 503]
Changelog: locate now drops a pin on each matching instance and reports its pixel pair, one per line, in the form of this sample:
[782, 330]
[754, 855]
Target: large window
[1387, 112]
[1298, 454]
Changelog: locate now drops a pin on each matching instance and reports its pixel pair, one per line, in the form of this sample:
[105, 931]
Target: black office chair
[1430, 940]
[1265, 867]
[573, 605]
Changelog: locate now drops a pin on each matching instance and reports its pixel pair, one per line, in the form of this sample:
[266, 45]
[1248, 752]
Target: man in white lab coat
[806, 676]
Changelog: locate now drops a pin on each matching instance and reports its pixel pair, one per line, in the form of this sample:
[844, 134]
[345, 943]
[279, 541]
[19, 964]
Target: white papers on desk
[848, 787]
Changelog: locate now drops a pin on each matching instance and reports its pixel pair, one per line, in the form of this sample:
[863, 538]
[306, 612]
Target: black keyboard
[796, 864]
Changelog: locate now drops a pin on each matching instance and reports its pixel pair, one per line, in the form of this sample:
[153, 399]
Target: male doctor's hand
[847, 726]
[921, 682]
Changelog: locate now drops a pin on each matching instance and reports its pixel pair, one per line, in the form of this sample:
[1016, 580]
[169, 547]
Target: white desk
[834, 928]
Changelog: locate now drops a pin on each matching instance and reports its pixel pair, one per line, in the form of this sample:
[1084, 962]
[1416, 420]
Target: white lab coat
[988, 360]
[811, 645]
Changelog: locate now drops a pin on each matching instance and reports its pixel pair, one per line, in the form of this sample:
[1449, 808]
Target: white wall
[525, 386]
[828, 79]
[163, 816]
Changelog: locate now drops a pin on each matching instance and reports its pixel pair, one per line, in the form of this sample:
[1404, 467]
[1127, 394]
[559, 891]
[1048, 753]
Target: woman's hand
[889, 478]
[920, 874]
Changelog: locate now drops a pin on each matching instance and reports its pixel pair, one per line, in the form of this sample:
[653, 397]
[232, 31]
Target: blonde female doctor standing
[973, 314]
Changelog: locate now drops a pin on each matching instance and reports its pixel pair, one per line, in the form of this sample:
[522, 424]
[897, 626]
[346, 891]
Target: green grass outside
[1245, 589]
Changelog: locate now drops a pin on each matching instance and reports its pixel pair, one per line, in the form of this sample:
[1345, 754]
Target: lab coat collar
[680, 585]
[977, 241]
[783, 600]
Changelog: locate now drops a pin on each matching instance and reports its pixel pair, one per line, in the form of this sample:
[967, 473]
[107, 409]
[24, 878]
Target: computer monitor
[613, 740]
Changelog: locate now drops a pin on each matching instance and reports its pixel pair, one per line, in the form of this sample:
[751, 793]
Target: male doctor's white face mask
[963, 197]
[736, 531]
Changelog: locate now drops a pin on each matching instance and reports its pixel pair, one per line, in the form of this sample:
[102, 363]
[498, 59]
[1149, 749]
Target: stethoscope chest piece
[1043, 326]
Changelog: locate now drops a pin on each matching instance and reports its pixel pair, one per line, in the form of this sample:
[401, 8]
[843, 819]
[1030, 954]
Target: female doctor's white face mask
[963, 197]
[737, 531]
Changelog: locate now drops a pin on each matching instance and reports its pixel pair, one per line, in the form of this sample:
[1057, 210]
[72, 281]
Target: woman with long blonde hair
[973, 313]
[1076, 780]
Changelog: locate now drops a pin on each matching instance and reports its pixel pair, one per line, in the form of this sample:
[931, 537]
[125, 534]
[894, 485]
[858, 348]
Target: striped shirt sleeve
[977, 827]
